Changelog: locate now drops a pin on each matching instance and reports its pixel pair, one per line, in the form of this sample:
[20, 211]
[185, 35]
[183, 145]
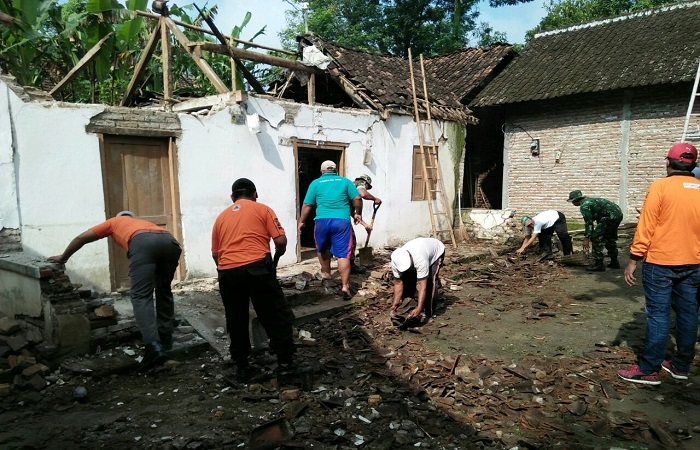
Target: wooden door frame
[321, 145]
[181, 271]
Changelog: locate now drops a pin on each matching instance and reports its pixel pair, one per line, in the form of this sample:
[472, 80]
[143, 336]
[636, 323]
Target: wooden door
[139, 177]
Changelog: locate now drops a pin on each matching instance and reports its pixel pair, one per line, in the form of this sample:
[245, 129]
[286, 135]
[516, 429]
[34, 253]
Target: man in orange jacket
[668, 240]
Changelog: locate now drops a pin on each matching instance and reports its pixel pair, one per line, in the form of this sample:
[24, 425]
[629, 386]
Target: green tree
[387, 26]
[565, 13]
[47, 39]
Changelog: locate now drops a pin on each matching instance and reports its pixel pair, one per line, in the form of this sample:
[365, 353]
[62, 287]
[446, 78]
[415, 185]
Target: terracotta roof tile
[658, 46]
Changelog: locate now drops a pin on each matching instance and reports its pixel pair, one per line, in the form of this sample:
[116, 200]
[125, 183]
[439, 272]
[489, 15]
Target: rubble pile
[373, 386]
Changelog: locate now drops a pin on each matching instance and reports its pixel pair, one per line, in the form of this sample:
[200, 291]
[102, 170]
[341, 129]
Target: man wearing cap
[331, 194]
[363, 183]
[602, 219]
[543, 226]
[153, 258]
[416, 266]
[240, 246]
[667, 239]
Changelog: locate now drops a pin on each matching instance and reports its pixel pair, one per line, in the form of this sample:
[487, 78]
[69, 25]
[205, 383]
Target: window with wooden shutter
[418, 186]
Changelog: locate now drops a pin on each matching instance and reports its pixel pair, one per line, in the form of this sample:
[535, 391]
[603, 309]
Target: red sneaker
[677, 374]
[635, 375]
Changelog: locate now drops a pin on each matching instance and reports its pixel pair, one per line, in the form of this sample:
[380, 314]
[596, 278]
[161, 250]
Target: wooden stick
[89, 56]
[145, 57]
[311, 89]
[167, 73]
[454, 366]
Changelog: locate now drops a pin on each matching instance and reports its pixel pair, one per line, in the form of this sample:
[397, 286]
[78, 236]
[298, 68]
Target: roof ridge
[646, 12]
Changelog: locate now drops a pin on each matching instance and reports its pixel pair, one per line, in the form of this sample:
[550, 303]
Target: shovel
[365, 253]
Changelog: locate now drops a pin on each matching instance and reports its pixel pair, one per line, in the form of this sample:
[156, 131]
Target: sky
[512, 20]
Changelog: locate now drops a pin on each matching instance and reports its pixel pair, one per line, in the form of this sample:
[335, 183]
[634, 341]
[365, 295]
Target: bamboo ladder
[430, 162]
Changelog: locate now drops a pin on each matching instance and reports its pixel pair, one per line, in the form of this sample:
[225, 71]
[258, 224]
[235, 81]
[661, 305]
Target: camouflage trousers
[604, 235]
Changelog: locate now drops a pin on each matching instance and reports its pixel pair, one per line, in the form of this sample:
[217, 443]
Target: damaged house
[593, 107]
[66, 167]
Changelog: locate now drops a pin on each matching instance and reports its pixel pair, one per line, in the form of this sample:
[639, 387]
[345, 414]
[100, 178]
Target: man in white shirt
[416, 266]
[543, 226]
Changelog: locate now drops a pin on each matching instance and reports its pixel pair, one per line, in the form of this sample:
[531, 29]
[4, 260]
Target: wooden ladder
[692, 135]
[430, 164]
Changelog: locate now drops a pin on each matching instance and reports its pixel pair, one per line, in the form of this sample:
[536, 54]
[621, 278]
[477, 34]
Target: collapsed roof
[383, 82]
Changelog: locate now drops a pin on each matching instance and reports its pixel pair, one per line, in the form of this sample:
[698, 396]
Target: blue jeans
[666, 288]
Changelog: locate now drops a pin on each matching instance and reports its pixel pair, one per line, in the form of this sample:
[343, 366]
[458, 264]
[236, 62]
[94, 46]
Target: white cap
[400, 260]
[328, 166]
[126, 213]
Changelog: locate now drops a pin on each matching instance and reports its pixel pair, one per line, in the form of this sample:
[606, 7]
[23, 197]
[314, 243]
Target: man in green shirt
[331, 194]
[602, 218]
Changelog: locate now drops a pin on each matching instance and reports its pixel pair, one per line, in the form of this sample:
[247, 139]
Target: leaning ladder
[430, 163]
[693, 134]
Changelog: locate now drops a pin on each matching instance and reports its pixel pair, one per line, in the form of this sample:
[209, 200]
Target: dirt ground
[521, 354]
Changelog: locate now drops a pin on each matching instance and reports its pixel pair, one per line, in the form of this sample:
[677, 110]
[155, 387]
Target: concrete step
[205, 313]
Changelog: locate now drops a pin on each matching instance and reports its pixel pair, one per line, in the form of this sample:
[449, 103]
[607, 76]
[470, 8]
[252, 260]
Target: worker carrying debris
[363, 183]
[240, 246]
[416, 266]
[543, 226]
[154, 255]
[602, 218]
[331, 194]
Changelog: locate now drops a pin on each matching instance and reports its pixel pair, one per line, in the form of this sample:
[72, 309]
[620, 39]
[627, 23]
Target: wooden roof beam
[145, 57]
[257, 57]
[89, 56]
[206, 68]
[204, 30]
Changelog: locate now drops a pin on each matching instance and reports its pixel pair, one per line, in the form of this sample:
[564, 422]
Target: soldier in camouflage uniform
[363, 183]
[607, 217]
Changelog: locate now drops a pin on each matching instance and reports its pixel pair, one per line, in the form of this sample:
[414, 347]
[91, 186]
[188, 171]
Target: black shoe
[154, 356]
[243, 373]
[166, 340]
[295, 375]
[597, 266]
[357, 270]
[614, 264]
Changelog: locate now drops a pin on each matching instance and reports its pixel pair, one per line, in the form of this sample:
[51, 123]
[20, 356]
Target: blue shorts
[334, 234]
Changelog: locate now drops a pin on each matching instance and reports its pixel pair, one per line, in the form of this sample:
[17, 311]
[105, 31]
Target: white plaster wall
[59, 183]
[9, 212]
[59, 175]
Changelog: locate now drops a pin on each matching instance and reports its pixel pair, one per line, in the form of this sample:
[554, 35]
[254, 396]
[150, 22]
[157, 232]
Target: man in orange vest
[240, 246]
[667, 239]
[153, 255]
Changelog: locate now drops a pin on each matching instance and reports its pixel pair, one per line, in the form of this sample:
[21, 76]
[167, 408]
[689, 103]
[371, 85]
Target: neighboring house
[594, 107]
[66, 167]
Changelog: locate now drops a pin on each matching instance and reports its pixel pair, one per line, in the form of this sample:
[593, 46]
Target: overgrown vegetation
[46, 39]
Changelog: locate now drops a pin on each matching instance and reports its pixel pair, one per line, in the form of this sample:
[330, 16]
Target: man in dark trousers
[153, 258]
[602, 219]
[542, 227]
[240, 246]
[416, 267]
[667, 239]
